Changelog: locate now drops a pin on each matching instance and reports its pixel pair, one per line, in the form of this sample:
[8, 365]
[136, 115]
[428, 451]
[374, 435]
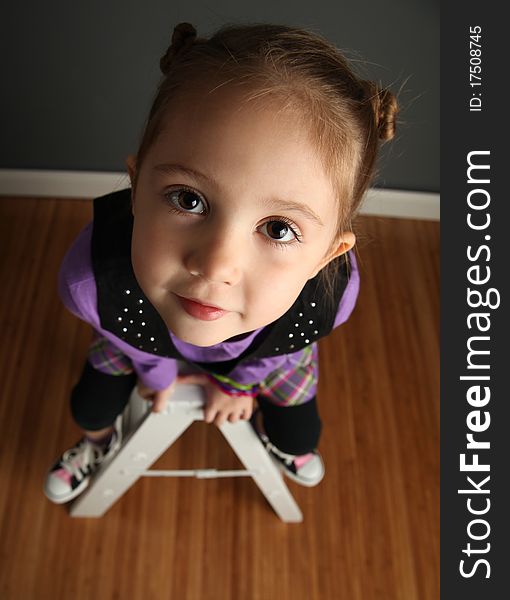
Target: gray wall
[78, 77]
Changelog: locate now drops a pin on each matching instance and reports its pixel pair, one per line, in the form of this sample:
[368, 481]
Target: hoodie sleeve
[350, 295]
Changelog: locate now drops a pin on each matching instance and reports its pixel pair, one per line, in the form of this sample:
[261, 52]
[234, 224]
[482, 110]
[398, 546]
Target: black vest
[125, 311]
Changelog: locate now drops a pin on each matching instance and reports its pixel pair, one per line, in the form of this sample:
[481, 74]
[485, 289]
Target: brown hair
[346, 116]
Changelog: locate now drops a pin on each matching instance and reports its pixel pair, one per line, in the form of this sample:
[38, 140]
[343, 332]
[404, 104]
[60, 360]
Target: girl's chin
[199, 341]
[198, 338]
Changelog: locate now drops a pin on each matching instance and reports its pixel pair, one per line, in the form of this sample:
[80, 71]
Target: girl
[232, 250]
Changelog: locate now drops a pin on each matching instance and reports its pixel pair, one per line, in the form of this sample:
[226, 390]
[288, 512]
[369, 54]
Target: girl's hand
[220, 407]
[157, 397]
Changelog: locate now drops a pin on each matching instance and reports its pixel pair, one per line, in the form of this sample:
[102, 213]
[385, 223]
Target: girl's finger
[220, 419]
[209, 414]
[159, 403]
[235, 417]
[156, 402]
[144, 392]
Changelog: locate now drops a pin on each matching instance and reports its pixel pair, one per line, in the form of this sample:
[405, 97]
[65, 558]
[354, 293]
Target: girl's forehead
[244, 155]
[227, 102]
[223, 127]
[235, 105]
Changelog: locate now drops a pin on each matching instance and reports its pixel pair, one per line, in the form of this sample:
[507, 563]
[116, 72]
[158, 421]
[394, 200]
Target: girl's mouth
[201, 311]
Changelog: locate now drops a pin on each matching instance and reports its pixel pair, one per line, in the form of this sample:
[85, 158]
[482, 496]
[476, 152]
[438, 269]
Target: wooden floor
[371, 528]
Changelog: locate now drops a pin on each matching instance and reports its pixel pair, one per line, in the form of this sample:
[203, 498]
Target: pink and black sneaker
[71, 474]
[306, 469]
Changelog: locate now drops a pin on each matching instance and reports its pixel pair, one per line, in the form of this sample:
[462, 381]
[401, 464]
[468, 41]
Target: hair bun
[385, 108]
[182, 38]
[387, 114]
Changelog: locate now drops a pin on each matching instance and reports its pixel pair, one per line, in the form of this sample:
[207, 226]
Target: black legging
[292, 429]
[98, 398]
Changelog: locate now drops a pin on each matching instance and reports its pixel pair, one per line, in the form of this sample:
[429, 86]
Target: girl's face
[232, 210]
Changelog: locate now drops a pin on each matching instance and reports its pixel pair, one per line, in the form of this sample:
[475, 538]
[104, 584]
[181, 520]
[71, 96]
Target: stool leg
[254, 456]
[153, 435]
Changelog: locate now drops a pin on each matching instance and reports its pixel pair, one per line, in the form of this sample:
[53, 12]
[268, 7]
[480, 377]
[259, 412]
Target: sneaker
[71, 474]
[306, 469]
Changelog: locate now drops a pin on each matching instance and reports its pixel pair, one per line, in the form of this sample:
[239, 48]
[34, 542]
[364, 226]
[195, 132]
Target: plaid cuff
[105, 357]
[232, 388]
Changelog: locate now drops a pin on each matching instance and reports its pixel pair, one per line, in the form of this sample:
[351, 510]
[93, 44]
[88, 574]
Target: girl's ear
[131, 167]
[345, 242]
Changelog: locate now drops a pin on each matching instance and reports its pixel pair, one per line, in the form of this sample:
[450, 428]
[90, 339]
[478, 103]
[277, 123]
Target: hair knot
[384, 106]
[183, 37]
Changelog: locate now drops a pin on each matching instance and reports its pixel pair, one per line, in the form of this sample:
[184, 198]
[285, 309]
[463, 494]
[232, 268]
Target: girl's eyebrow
[291, 205]
[272, 204]
[173, 169]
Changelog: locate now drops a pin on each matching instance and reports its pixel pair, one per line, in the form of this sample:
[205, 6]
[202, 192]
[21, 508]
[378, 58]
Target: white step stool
[146, 435]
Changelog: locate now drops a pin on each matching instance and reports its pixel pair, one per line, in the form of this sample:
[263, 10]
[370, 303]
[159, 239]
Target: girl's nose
[216, 257]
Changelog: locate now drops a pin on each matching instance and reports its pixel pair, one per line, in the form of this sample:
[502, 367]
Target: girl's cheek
[279, 280]
[286, 261]
[270, 264]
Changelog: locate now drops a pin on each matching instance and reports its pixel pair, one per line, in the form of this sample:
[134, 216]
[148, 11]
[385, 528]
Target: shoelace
[287, 458]
[77, 461]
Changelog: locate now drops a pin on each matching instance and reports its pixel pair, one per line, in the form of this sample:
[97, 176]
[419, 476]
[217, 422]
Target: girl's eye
[280, 231]
[185, 200]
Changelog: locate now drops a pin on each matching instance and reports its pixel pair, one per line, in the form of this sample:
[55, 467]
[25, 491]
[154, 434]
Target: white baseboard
[60, 184]
[406, 204]
[90, 184]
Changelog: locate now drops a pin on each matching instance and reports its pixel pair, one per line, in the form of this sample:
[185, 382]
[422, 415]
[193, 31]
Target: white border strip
[60, 184]
[90, 184]
[402, 204]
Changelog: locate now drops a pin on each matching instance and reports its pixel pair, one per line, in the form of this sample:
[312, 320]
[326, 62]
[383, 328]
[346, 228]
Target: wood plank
[371, 528]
